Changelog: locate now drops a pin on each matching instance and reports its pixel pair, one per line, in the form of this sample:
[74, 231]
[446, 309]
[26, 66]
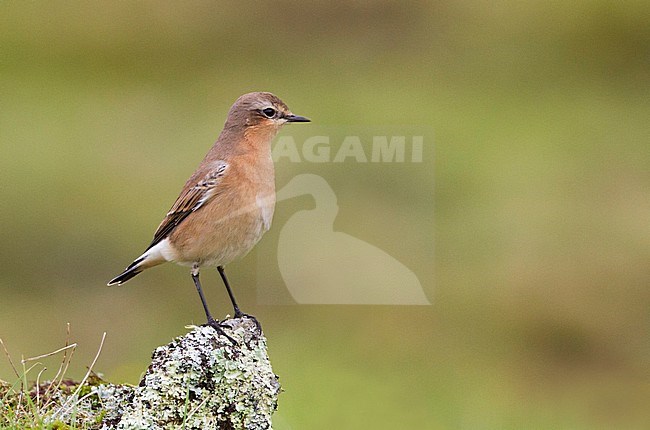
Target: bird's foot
[219, 327]
[240, 314]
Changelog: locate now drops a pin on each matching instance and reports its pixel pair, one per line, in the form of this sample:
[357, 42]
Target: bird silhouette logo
[321, 266]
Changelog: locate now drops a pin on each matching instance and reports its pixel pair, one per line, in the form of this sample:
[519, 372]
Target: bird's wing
[190, 200]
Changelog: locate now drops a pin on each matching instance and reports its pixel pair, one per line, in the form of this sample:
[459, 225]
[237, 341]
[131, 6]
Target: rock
[199, 381]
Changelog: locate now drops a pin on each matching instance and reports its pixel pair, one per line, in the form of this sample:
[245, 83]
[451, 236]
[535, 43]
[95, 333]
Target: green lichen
[199, 381]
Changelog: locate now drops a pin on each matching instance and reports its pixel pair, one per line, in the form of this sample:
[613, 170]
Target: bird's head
[261, 110]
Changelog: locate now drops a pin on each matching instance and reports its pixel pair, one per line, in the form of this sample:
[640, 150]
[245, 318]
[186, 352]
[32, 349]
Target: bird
[227, 204]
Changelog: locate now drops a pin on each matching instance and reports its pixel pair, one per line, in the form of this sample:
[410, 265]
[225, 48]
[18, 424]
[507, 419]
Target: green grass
[57, 404]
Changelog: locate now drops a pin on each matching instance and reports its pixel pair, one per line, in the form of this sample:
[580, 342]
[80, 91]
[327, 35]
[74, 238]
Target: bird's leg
[238, 312]
[211, 321]
[197, 284]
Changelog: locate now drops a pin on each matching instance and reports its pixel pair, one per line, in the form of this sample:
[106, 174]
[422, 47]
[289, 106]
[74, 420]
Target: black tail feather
[129, 273]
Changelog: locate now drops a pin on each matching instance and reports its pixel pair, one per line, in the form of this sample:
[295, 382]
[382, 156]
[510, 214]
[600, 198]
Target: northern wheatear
[227, 204]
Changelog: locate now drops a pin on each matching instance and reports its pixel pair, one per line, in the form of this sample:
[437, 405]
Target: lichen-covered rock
[199, 381]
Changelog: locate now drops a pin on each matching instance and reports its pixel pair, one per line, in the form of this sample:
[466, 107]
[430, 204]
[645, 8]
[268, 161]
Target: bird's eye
[268, 112]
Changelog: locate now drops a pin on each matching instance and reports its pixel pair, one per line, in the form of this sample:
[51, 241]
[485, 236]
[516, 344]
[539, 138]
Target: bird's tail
[133, 269]
[153, 256]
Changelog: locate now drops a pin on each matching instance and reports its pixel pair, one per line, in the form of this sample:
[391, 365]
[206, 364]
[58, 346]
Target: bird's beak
[296, 118]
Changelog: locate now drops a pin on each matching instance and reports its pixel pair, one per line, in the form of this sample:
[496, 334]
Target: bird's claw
[258, 326]
[219, 327]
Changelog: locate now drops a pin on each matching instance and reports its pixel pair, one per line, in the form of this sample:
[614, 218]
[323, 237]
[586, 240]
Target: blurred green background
[534, 192]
